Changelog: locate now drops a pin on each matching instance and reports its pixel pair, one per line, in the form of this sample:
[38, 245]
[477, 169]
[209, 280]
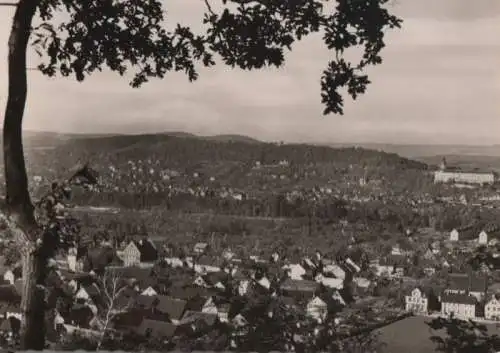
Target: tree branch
[8, 4]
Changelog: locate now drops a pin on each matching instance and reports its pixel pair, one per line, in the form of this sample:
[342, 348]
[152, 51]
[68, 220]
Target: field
[412, 335]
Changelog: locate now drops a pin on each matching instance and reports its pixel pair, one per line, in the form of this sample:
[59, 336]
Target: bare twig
[110, 289]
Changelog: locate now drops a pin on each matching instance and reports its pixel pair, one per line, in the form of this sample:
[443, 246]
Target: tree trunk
[18, 199]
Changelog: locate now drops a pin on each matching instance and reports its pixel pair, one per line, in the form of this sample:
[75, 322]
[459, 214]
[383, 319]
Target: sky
[439, 84]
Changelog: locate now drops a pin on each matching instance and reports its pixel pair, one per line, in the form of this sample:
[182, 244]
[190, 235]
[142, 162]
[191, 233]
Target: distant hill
[186, 149]
[231, 138]
[482, 157]
[422, 151]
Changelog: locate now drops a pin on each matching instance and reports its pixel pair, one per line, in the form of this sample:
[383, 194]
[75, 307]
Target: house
[353, 267]
[337, 297]
[197, 321]
[75, 264]
[264, 282]
[429, 266]
[172, 307]
[99, 258]
[396, 250]
[429, 254]
[467, 284]
[228, 254]
[150, 291]
[239, 321]
[454, 235]
[417, 302]
[295, 271]
[447, 174]
[199, 281]
[174, 262]
[207, 264]
[200, 248]
[243, 286]
[384, 269]
[11, 275]
[492, 309]
[89, 296]
[317, 308]
[330, 282]
[300, 289]
[156, 329]
[213, 306]
[361, 282]
[209, 307]
[392, 266]
[334, 270]
[139, 252]
[482, 239]
[459, 305]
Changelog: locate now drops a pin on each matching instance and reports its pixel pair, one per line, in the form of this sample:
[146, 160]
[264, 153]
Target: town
[198, 290]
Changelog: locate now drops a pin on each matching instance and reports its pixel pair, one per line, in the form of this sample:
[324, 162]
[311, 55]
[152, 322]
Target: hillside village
[351, 238]
[154, 291]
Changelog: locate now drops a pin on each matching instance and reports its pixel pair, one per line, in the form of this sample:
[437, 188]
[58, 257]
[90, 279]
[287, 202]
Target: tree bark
[19, 204]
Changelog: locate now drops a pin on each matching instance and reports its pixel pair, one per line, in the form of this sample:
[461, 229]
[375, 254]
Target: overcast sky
[439, 83]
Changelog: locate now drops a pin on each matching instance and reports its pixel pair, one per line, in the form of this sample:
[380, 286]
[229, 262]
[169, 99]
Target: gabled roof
[195, 303]
[196, 316]
[214, 277]
[145, 301]
[173, 308]
[206, 260]
[129, 319]
[299, 285]
[200, 246]
[188, 292]
[394, 260]
[138, 273]
[99, 258]
[155, 328]
[459, 299]
[80, 315]
[467, 282]
[147, 250]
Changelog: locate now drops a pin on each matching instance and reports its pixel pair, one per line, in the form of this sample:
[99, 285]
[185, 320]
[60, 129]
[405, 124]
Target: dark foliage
[463, 336]
[130, 35]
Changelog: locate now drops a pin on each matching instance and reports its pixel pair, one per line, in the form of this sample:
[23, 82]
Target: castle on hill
[447, 174]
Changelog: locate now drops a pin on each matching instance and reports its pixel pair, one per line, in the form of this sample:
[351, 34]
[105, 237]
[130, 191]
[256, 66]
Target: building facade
[492, 309]
[417, 302]
[455, 175]
[443, 176]
[458, 305]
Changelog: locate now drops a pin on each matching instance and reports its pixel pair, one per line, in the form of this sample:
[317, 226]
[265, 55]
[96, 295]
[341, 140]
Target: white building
[461, 306]
[482, 239]
[454, 175]
[317, 308]
[454, 235]
[464, 177]
[296, 271]
[492, 309]
[417, 302]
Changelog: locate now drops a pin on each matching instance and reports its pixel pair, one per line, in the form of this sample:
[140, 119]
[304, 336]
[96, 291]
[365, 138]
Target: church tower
[443, 166]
